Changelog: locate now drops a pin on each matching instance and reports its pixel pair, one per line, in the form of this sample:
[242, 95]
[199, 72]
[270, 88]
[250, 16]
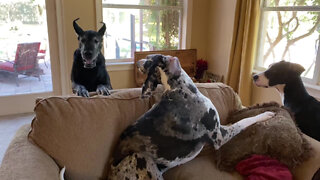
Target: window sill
[120, 66]
[313, 90]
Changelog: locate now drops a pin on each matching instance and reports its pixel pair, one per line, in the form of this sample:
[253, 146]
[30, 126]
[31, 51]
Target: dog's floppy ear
[297, 68]
[77, 28]
[102, 30]
[148, 86]
[174, 67]
[152, 80]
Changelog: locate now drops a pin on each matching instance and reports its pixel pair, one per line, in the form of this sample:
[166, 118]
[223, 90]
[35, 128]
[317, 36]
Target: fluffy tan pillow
[278, 138]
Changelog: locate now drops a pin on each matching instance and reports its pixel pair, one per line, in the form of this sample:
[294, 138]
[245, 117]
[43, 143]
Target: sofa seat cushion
[202, 167]
[80, 133]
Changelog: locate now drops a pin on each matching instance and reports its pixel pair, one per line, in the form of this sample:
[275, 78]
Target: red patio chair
[42, 55]
[25, 63]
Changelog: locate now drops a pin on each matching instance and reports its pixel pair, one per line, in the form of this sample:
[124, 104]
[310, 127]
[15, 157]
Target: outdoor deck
[27, 84]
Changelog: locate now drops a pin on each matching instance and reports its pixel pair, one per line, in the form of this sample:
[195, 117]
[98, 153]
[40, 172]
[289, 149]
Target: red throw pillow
[258, 167]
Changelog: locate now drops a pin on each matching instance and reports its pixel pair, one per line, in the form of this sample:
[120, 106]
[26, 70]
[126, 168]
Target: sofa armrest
[24, 160]
[308, 168]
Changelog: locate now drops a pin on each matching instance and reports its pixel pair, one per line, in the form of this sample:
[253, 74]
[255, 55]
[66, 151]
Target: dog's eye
[96, 41]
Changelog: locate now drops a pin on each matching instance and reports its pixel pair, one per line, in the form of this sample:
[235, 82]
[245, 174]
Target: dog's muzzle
[140, 65]
[260, 80]
[89, 63]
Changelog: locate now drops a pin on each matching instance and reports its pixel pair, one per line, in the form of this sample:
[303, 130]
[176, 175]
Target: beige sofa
[81, 133]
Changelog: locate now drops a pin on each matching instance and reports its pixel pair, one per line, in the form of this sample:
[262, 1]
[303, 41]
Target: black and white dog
[89, 70]
[285, 77]
[174, 130]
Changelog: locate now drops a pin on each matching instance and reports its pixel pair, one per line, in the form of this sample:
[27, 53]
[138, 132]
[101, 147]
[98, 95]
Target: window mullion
[141, 28]
[150, 7]
[316, 73]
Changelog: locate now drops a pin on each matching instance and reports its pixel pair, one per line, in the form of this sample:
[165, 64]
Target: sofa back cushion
[222, 96]
[81, 133]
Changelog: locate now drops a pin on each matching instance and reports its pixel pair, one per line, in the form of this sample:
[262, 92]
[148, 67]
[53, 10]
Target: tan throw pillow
[278, 138]
[81, 133]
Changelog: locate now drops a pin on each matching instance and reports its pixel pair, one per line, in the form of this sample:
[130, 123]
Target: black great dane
[89, 70]
[174, 130]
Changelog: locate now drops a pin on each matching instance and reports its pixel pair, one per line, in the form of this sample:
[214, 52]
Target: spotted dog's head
[90, 43]
[278, 74]
[160, 69]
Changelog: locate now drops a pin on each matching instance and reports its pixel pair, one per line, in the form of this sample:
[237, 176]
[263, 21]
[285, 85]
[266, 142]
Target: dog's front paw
[103, 90]
[81, 91]
[265, 116]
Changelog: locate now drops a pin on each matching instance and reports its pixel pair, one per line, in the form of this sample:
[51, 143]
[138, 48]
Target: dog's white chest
[164, 79]
[280, 89]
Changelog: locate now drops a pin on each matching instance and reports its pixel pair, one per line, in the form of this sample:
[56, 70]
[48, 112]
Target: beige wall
[220, 35]
[199, 27]
[122, 79]
[205, 36]
[211, 32]
[86, 11]
[67, 11]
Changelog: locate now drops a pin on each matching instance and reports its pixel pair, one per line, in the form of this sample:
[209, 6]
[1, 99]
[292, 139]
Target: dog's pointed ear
[77, 28]
[102, 30]
[297, 68]
[174, 66]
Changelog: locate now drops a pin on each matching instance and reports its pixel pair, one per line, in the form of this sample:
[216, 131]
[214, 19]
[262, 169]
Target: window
[25, 66]
[290, 30]
[140, 25]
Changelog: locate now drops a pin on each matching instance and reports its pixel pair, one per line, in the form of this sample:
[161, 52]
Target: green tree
[163, 26]
[289, 22]
[25, 11]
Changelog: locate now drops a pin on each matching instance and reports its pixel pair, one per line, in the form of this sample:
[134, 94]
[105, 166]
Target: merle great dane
[174, 130]
[89, 70]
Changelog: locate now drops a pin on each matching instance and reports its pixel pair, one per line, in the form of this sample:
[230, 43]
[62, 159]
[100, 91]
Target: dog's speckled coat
[173, 131]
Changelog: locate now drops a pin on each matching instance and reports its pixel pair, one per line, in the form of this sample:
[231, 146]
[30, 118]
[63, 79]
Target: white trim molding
[186, 24]
[121, 66]
[62, 41]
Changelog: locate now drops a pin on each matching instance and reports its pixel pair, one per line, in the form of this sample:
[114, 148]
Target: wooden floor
[8, 127]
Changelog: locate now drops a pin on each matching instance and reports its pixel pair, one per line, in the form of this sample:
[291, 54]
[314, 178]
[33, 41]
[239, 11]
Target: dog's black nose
[255, 77]
[88, 53]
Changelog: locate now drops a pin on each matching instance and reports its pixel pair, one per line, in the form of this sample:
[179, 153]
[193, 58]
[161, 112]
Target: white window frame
[24, 103]
[259, 55]
[184, 32]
